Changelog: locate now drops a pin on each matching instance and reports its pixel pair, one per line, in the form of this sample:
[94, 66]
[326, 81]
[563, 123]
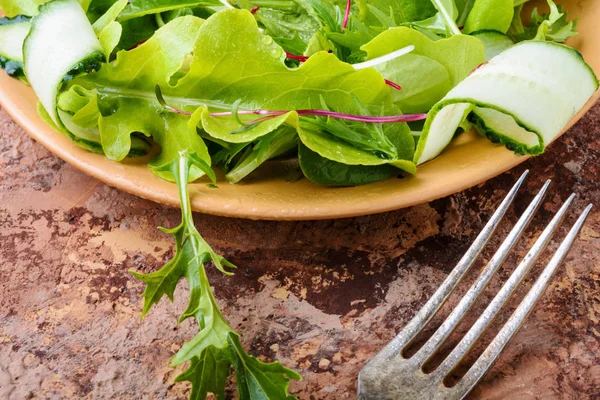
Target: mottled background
[321, 297]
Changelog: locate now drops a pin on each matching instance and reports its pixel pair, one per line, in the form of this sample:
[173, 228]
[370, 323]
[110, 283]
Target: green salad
[356, 91]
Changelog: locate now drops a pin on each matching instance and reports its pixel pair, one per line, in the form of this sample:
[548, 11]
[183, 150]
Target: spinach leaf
[323, 171]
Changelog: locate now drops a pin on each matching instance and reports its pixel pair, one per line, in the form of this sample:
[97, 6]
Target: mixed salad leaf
[352, 92]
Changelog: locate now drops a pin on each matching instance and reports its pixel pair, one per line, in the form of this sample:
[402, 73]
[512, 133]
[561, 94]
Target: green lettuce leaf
[494, 15]
[430, 71]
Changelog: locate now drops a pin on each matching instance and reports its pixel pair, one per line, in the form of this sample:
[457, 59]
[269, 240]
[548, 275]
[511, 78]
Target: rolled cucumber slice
[522, 98]
[60, 45]
[12, 35]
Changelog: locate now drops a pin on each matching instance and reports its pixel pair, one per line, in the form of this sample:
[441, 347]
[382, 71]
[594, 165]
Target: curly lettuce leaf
[242, 67]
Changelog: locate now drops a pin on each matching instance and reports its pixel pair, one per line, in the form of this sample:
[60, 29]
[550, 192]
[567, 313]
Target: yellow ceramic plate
[467, 162]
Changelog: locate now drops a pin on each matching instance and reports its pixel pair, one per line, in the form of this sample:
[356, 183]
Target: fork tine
[425, 314]
[491, 353]
[504, 294]
[457, 314]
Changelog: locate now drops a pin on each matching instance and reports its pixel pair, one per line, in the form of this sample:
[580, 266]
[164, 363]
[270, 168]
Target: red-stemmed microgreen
[162, 102]
[296, 57]
[393, 84]
[254, 10]
[346, 15]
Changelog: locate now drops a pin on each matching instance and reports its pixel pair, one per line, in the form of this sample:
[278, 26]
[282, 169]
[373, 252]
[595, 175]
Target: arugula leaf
[208, 374]
[272, 145]
[216, 347]
[326, 172]
[490, 15]
[258, 380]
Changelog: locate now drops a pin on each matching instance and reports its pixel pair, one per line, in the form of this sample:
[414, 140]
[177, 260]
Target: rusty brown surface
[321, 297]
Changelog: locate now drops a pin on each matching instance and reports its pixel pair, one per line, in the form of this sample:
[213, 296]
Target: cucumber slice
[60, 45]
[12, 35]
[494, 42]
[522, 98]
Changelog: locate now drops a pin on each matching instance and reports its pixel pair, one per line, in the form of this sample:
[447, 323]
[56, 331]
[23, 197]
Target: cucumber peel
[522, 98]
[12, 35]
[60, 45]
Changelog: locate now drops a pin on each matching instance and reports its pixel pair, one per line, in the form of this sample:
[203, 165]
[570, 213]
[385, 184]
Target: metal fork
[390, 375]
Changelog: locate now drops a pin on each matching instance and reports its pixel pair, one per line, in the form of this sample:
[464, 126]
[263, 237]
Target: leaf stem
[393, 84]
[450, 23]
[296, 57]
[332, 114]
[383, 59]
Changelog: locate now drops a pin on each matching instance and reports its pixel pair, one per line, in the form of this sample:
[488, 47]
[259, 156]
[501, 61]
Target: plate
[467, 162]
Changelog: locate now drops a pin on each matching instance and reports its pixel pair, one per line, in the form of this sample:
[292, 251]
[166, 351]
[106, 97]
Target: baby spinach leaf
[326, 172]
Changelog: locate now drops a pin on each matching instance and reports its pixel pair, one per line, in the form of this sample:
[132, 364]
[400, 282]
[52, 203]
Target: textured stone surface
[321, 297]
